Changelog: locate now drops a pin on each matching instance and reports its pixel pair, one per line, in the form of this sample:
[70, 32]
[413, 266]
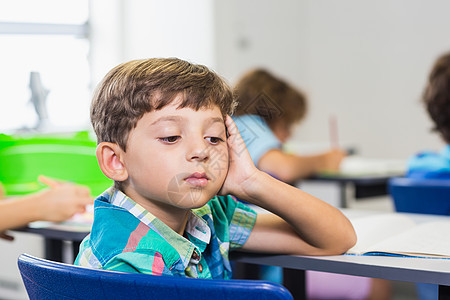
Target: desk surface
[436, 271]
[426, 270]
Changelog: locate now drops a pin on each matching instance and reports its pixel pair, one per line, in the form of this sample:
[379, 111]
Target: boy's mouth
[197, 179]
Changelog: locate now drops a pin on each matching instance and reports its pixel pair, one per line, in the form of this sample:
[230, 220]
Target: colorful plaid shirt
[126, 237]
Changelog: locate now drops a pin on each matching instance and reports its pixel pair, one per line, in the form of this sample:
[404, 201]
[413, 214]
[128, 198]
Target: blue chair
[416, 195]
[425, 196]
[46, 279]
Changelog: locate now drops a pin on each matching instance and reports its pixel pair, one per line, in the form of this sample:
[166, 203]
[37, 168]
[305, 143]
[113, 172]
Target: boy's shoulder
[118, 229]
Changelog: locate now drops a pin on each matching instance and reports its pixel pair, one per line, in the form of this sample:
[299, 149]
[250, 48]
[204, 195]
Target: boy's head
[140, 86]
[260, 93]
[160, 129]
[437, 96]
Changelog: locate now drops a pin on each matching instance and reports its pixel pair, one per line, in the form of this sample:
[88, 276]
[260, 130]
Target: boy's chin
[194, 198]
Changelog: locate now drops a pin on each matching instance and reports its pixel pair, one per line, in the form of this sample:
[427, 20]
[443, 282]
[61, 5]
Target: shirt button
[194, 255]
[200, 267]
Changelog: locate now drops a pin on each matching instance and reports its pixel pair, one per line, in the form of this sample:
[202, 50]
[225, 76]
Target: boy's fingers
[231, 126]
[234, 140]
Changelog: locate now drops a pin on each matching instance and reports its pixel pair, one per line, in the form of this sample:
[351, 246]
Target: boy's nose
[198, 152]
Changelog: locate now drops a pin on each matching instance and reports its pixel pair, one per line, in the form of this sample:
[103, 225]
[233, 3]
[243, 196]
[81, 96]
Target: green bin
[69, 157]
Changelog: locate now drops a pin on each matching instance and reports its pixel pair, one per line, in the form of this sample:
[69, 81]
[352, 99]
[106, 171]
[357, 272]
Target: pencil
[334, 140]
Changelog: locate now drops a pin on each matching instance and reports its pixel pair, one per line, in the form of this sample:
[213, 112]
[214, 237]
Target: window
[49, 38]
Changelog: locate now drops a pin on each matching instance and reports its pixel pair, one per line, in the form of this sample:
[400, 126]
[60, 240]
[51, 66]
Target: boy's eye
[170, 139]
[214, 140]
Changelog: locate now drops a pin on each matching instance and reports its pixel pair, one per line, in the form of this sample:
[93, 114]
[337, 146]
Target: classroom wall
[365, 62]
[135, 29]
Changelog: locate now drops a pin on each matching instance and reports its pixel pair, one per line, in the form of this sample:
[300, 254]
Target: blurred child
[176, 158]
[432, 164]
[268, 109]
[436, 98]
[60, 202]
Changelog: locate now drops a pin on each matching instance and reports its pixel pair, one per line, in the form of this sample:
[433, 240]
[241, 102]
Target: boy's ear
[109, 156]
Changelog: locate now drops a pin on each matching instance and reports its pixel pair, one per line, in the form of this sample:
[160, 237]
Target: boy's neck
[174, 217]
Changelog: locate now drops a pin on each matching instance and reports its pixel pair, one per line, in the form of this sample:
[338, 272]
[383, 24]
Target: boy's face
[177, 157]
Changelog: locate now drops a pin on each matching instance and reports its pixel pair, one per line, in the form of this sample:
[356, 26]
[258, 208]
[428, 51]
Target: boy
[165, 138]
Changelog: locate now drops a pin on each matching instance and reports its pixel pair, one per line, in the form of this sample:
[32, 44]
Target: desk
[364, 185]
[435, 271]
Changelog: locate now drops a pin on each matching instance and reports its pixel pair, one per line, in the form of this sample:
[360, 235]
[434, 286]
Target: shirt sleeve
[234, 217]
[257, 136]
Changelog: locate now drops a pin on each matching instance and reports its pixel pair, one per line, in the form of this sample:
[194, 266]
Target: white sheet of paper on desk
[398, 234]
[372, 230]
[356, 165]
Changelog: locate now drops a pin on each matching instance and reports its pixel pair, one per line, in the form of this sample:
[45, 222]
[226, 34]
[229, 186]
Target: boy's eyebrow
[216, 120]
[179, 119]
[168, 118]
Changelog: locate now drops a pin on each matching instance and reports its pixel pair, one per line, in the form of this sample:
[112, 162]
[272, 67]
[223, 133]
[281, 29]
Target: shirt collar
[197, 229]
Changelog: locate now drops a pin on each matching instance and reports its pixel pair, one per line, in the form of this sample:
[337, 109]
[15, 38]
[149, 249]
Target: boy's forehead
[181, 100]
[173, 112]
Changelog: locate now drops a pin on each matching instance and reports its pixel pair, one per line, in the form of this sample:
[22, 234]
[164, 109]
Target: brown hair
[260, 93]
[436, 96]
[136, 87]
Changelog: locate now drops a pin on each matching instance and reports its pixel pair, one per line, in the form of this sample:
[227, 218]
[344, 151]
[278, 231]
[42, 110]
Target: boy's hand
[241, 169]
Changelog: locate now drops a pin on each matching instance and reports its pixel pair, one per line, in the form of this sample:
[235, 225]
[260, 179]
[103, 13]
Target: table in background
[365, 186]
[54, 236]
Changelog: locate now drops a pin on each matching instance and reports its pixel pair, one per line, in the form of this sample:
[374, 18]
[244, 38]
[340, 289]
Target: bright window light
[59, 55]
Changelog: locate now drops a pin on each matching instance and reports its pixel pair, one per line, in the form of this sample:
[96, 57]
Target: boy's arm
[302, 224]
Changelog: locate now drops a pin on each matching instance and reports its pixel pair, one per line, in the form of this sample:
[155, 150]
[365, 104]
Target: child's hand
[62, 200]
[331, 160]
[2, 191]
[241, 169]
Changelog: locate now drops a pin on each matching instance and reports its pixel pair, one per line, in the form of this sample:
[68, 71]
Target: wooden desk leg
[294, 281]
[444, 292]
[54, 250]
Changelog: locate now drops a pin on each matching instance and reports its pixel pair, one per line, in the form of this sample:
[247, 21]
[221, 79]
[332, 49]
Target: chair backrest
[46, 279]
[426, 196]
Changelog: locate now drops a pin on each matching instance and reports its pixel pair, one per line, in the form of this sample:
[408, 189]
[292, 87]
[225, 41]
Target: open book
[398, 234]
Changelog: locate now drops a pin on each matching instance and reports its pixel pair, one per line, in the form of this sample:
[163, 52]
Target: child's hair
[136, 87]
[436, 96]
[260, 93]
